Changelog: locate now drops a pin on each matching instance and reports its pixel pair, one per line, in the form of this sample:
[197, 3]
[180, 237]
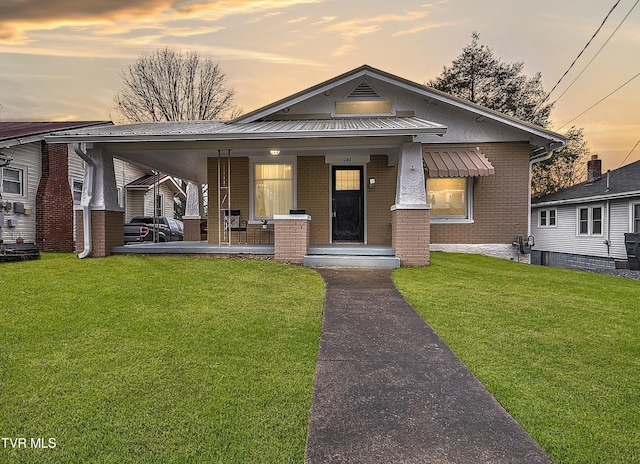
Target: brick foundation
[292, 236]
[107, 230]
[54, 203]
[410, 235]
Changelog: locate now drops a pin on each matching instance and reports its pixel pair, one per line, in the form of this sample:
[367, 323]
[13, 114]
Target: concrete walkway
[388, 390]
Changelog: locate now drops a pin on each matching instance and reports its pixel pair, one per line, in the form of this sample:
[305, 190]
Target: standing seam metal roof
[343, 127]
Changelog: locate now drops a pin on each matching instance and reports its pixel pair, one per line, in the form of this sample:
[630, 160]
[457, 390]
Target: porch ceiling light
[274, 152]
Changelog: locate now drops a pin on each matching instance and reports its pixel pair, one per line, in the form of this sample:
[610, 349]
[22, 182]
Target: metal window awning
[456, 163]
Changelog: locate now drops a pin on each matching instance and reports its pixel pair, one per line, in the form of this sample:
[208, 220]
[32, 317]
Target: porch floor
[329, 255]
[192, 248]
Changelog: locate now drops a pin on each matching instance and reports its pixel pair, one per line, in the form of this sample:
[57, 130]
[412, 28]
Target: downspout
[87, 196]
[536, 159]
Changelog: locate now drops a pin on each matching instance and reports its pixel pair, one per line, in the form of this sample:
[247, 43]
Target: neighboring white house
[38, 181]
[140, 188]
[583, 227]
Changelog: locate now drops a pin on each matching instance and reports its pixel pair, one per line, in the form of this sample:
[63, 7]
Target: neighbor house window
[450, 198]
[159, 205]
[547, 217]
[13, 181]
[272, 189]
[77, 191]
[636, 218]
[590, 220]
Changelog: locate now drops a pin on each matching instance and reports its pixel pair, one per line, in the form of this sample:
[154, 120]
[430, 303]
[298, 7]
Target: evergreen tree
[481, 77]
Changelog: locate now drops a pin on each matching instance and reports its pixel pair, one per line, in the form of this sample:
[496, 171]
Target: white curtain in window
[273, 189]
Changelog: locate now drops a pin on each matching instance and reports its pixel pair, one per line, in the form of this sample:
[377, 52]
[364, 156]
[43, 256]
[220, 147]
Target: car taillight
[144, 231]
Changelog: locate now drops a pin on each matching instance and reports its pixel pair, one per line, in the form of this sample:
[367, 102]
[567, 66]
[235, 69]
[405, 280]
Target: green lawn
[150, 359]
[559, 349]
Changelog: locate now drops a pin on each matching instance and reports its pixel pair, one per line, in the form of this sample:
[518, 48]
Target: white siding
[619, 226]
[565, 239]
[135, 204]
[28, 158]
[76, 173]
[125, 174]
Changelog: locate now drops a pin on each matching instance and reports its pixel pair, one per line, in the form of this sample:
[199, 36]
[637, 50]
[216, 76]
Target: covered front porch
[360, 184]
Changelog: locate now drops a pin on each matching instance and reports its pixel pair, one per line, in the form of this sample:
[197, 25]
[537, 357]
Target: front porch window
[450, 198]
[272, 189]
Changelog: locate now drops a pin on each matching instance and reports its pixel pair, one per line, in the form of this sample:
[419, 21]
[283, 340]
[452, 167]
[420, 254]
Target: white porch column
[193, 212]
[105, 191]
[410, 216]
[107, 217]
[411, 189]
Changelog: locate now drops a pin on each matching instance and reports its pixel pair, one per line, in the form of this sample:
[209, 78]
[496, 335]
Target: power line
[598, 102]
[583, 49]
[625, 158]
[596, 55]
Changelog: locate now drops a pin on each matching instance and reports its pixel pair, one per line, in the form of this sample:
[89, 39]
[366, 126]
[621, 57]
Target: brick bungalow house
[364, 159]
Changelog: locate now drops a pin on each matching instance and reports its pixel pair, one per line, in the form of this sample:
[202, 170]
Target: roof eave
[591, 199]
[415, 132]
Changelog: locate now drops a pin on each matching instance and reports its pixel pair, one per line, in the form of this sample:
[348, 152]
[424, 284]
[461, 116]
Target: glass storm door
[348, 204]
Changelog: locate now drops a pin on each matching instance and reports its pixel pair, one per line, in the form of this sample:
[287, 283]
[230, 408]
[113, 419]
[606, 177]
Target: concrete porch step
[354, 256]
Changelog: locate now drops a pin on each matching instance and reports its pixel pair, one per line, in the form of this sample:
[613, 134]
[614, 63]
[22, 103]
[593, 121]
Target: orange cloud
[422, 28]
[21, 18]
[350, 30]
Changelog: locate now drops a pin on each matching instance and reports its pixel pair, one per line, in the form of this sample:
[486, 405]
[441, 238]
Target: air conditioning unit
[18, 207]
[12, 222]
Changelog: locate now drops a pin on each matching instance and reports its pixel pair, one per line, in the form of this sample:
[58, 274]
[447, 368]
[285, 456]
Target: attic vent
[364, 90]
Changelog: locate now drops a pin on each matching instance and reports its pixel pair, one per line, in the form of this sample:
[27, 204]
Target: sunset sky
[62, 59]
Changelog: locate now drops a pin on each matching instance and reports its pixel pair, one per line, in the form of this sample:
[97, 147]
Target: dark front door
[348, 204]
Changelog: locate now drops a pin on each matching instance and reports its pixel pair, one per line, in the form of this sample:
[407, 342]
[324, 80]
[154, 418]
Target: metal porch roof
[459, 163]
[258, 130]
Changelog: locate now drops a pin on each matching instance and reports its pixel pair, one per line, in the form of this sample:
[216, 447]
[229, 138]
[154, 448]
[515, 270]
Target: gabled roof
[16, 133]
[426, 92]
[619, 183]
[146, 182]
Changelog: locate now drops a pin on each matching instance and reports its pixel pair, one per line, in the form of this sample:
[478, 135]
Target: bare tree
[169, 85]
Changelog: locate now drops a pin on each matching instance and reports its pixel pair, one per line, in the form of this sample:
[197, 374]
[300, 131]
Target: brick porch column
[410, 232]
[292, 234]
[410, 216]
[107, 230]
[193, 212]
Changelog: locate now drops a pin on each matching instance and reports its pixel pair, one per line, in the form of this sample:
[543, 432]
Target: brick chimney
[594, 169]
[54, 203]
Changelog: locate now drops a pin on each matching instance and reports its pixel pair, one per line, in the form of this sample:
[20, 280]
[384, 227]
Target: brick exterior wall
[239, 195]
[380, 199]
[313, 195]
[291, 240]
[107, 230]
[410, 230]
[54, 202]
[500, 201]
